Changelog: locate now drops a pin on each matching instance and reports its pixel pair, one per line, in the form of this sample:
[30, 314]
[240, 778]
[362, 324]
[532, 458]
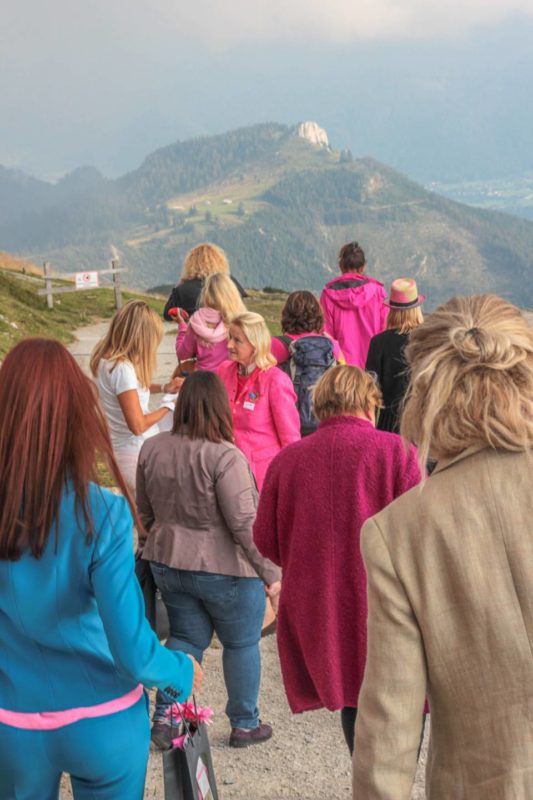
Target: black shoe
[244, 737]
[161, 735]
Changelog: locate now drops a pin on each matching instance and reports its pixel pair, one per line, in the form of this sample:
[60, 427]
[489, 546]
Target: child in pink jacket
[353, 306]
[206, 336]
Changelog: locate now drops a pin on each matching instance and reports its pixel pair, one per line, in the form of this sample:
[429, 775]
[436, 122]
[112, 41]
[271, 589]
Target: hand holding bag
[188, 769]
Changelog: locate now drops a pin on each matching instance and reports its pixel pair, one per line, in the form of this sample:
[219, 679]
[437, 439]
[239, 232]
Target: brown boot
[244, 737]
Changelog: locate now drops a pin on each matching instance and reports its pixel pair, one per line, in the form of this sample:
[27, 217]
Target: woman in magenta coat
[315, 499]
[261, 397]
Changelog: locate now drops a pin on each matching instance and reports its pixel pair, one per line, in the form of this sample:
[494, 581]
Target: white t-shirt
[114, 378]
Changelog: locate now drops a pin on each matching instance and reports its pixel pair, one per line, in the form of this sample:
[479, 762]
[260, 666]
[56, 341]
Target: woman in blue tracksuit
[75, 647]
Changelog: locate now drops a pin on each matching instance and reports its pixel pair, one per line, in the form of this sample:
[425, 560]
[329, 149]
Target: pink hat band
[404, 294]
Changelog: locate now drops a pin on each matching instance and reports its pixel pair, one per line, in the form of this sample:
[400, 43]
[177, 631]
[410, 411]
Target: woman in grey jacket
[197, 500]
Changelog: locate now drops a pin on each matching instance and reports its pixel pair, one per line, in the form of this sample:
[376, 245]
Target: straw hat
[404, 294]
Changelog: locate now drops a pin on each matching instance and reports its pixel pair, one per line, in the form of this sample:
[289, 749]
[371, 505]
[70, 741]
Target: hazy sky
[105, 82]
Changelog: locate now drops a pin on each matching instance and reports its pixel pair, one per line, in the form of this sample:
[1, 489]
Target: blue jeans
[199, 603]
[106, 758]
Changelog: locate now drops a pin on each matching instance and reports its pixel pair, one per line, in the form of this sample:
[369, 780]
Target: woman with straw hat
[385, 355]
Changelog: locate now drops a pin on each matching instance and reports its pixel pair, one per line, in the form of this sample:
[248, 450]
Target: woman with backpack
[262, 399]
[304, 351]
[206, 336]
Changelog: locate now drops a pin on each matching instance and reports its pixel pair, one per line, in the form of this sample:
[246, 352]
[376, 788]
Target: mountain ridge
[281, 207]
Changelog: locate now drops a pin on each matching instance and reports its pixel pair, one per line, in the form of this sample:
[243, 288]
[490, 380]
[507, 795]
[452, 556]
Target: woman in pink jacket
[353, 306]
[261, 397]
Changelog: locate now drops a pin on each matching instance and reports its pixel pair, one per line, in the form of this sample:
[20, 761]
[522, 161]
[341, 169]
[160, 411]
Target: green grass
[24, 313]
[269, 305]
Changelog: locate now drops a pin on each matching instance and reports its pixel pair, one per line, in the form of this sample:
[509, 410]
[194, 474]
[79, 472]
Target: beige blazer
[450, 584]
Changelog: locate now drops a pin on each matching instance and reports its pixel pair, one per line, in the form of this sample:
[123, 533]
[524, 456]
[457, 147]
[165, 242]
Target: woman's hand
[174, 314]
[173, 386]
[273, 592]
[198, 674]
[273, 589]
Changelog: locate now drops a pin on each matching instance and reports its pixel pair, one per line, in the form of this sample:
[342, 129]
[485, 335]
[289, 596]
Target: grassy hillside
[24, 313]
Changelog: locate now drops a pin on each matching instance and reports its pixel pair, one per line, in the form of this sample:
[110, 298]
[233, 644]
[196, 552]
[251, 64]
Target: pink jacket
[196, 340]
[354, 313]
[265, 417]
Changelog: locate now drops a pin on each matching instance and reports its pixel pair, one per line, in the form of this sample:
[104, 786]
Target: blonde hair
[134, 335]
[471, 379]
[404, 320]
[203, 260]
[345, 389]
[255, 329]
[220, 293]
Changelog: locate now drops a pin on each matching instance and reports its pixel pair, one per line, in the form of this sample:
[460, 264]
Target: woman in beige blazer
[450, 571]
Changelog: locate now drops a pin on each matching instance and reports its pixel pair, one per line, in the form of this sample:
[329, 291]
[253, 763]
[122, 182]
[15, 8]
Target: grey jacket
[197, 500]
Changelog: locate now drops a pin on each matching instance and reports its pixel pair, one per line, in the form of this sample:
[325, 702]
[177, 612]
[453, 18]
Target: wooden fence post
[116, 285]
[48, 284]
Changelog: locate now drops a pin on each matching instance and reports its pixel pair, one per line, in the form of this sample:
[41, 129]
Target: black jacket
[187, 294]
[386, 359]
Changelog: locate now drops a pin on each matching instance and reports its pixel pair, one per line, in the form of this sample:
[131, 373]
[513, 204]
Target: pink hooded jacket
[197, 339]
[353, 313]
[265, 417]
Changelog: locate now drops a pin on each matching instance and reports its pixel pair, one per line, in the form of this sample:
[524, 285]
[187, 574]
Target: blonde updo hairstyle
[220, 293]
[134, 335]
[471, 379]
[203, 260]
[345, 389]
[255, 329]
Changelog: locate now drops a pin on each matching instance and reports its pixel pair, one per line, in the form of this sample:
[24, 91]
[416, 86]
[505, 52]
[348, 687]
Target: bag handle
[186, 725]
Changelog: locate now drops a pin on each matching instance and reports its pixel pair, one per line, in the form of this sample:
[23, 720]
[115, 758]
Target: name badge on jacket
[248, 406]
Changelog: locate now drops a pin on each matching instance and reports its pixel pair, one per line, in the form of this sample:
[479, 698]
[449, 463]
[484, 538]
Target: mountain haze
[279, 204]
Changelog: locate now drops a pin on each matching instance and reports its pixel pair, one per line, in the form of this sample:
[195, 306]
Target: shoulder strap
[284, 339]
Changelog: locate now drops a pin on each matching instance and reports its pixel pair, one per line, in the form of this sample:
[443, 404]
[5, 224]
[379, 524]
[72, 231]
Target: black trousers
[348, 717]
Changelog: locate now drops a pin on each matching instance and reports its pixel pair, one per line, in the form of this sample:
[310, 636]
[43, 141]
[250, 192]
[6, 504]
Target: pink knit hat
[202, 322]
[404, 294]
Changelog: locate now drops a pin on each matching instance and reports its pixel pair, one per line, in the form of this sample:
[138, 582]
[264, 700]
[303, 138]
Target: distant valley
[280, 201]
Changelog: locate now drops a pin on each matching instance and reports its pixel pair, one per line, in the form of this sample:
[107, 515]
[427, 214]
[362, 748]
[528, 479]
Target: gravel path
[306, 759]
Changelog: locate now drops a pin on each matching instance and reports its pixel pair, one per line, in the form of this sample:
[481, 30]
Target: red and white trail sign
[86, 280]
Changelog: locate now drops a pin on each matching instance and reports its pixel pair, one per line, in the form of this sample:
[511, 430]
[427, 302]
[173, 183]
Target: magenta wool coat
[265, 417]
[315, 499]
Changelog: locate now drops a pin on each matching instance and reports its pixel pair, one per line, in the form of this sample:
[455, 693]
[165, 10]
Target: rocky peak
[313, 133]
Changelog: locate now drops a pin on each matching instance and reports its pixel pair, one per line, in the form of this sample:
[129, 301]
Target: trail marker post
[48, 284]
[116, 285]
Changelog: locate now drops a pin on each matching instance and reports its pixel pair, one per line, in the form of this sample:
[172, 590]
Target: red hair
[52, 431]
